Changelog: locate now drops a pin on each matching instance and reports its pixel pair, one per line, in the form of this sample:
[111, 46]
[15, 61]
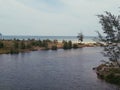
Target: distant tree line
[16, 45]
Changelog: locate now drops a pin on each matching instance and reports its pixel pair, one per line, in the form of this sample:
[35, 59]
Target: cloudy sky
[53, 17]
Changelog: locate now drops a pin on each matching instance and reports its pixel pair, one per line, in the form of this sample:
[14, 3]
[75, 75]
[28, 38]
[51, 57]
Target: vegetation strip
[16, 46]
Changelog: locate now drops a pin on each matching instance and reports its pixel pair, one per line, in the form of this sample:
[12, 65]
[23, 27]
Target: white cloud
[41, 18]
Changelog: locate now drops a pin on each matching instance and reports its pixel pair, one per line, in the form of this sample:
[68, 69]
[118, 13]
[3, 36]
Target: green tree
[80, 37]
[111, 29]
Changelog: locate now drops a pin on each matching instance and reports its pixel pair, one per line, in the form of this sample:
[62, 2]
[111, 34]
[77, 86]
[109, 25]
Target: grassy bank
[109, 73]
[16, 46]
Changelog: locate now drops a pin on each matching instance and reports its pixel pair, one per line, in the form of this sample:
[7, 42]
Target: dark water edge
[53, 70]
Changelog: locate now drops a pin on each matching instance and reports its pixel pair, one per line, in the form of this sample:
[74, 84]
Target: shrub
[54, 47]
[69, 44]
[16, 44]
[112, 78]
[55, 41]
[1, 44]
[22, 45]
[65, 45]
[14, 51]
[75, 46]
[44, 43]
[28, 46]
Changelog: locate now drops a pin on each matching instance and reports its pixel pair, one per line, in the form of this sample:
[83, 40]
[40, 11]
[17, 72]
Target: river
[52, 70]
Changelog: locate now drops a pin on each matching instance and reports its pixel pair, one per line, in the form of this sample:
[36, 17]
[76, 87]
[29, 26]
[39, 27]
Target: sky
[53, 17]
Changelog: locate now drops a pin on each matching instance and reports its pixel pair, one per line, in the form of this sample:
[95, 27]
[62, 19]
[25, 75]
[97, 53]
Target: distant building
[0, 36]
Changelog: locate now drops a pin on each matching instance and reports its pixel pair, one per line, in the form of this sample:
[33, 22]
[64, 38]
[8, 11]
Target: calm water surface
[52, 70]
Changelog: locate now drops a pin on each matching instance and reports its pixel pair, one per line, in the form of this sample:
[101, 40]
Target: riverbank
[16, 46]
[109, 73]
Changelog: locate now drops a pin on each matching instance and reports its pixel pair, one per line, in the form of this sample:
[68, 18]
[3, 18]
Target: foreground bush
[109, 74]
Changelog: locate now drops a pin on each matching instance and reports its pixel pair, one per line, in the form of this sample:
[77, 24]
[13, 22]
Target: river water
[52, 70]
